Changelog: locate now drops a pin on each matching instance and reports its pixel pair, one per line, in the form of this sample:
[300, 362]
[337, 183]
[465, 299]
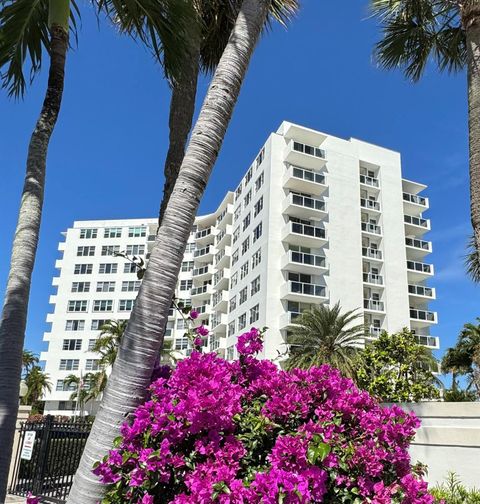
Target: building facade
[315, 219]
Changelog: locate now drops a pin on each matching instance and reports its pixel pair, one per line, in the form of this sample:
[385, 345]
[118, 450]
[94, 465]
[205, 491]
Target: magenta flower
[202, 330]
[198, 341]
[194, 314]
[31, 499]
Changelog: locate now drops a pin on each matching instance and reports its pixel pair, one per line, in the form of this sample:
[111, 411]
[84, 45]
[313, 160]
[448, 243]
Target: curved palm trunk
[143, 338]
[182, 109]
[14, 313]
[471, 21]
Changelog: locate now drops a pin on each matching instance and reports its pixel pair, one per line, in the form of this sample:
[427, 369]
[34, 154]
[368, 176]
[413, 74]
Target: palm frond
[472, 261]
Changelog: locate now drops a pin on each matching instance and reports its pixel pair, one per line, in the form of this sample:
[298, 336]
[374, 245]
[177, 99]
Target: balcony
[288, 319]
[374, 305]
[371, 182]
[305, 181]
[204, 237]
[416, 225]
[220, 301]
[226, 217]
[222, 257]
[372, 253]
[368, 204]
[304, 235]
[221, 279]
[373, 332]
[203, 273]
[418, 271]
[203, 309]
[304, 155]
[372, 278]
[203, 292]
[417, 248]
[219, 322]
[304, 207]
[304, 292]
[421, 291]
[423, 316]
[204, 255]
[223, 238]
[375, 229]
[428, 341]
[301, 262]
[414, 204]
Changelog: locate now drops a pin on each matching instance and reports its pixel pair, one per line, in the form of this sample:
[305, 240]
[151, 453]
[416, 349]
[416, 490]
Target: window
[182, 324]
[69, 364]
[245, 245]
[233, 303]
[74, 325]
[85, 251]
[235, 257]
[137, 232]
[169, 328]
[231, 328]
[236, 234]
[254, 314]
[260, 157]
[88, 233]
[129, 267]
[105, 286]
[242, 296]
[126, 304]
[77, 306]
[244, 270]
[135, 249]
[63, 387]
[257, 258]
[259, 182]
[258, 207]
[190, 248]
[92, 365]
[131, 286]
[187, 266]
[255, 286]
[247, 199]
[242, 321]
[66, 405]
[91, 344]
[181, 344]
[186, 284]
[107, 268]
[234, 279]
[257, 232]
[248, 175]
[72, 344]
[103, 305]
[80, 286]
[238, 191]
[237, 213]
[98, 323]
[112, 232]
[108, 250]
[83, 269]
[246, 222]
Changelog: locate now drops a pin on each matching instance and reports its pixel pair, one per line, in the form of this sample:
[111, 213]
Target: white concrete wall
[448, 440]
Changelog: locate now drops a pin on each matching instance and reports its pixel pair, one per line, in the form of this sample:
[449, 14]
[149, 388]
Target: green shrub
[453, 492]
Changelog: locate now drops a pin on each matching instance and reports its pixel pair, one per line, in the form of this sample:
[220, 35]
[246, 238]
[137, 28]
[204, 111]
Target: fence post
[42, 456]
[23, 414]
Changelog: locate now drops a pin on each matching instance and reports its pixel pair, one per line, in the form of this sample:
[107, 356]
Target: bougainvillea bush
[246, 432]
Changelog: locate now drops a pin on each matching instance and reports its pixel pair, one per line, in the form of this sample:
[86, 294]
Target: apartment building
[315, 219]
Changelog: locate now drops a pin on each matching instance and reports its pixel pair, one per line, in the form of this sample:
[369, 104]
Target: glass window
[187, 266]
[135, 249]
[236, 234]
[83, 269]
[80, 286]
[234, 279]
[131, 286]
[137, 232]
[91, 344]
[72, 344]
[244, 270]
[242, 296]
[259, 182]
[92, 365]
[69, 364]
[186, 284]
[249, 175]
[258, 207]
[235, 257]
[85, 251]
[237, 213]
[77, 306]
[245, 245]
[126, 304]
[255, 286]
[233, 303]
[247, 199]
[105, 287]
[107, 268]
[231, 328]
[254, 314]
[112, 232]
[108, 250]
[242, 321]
[246, 222]
[181, 343]
[190, 248]
[98, 323]
[88, 233]
[256, 258]
[103, 305]
[74, 325]
[129, 267]
[257, 232]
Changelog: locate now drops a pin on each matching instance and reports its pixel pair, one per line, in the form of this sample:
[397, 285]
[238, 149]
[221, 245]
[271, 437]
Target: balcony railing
[429, 341]
[370, 181]
[310, 259]
[370, 204]
[416, 221]
[419, 266]
[202, 309]
[202, 252]
[305, 229]
[371, 228]
[373, 304]
[413, 198]
[221, 216]
[415, 242]
[200, 271]
[311, 176]
[420, 290]
[219, 275]
[308, 149]
[307, 288]
[307, 202]
[200, 290]
[203, 233]
[422, 315]
[372, 253]
[373, 278]
[374, 331]
[219, 256]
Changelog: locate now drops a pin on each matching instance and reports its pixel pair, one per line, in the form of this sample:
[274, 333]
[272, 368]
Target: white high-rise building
[316, 219]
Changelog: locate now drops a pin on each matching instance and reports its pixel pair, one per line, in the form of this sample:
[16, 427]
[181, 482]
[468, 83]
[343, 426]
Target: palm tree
[208, 38]
[37, 382]
[109, 340]
[29, 360]
[323, 335]
[28, 30]
[472, 261]
[446, 32]
[86, 388]
[143, 339]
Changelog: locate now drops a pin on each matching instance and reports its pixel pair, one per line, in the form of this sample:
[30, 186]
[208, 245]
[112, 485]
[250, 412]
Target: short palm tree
[446, 32]
[324, 335]
[37, 382]
[29, 360]
[86, 389]
[472, 261]
[109, 340]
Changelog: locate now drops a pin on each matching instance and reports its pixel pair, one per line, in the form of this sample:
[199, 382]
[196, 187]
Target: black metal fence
[54, 458]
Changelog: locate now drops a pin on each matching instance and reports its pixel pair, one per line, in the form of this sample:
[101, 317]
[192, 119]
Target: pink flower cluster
[246, 432]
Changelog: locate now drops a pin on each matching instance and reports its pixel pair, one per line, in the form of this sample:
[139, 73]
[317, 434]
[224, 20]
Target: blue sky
[106, 156]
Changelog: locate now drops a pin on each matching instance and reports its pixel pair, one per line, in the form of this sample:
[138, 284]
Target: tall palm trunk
[143, 338]
[14, 313]
[471, 22]
[182, 109]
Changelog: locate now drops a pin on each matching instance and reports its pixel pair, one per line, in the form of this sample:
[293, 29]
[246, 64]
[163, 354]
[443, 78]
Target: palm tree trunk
[471, 22]
[14, 313]
[143, 338]
[182, 109]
